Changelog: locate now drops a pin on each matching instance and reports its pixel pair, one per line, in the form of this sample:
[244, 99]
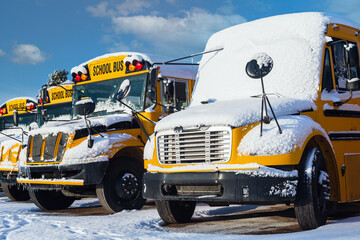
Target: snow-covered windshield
[25, 119]
[103, 93]
[61, 111]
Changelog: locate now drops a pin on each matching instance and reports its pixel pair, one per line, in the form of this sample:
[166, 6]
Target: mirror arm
[10, 137]
[141, 125]
[90, 127]
[192, 55]
[134, 111]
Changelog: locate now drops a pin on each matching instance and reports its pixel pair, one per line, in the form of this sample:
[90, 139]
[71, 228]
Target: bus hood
[234, 113]
[71, 126]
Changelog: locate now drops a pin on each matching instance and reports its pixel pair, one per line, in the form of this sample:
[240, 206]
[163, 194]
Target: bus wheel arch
[121, 187]
[331, 164]
[313, 190]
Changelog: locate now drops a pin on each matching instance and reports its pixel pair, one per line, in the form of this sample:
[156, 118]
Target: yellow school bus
[274, 119]
[100, 152]
[26, 110]
[56, 107]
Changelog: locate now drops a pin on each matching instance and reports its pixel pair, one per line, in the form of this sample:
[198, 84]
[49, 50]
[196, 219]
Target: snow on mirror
[259, 66]
[124, 90]
[85, 106]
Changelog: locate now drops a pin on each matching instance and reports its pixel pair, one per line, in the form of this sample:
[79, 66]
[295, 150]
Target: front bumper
[220, 187]
[62, 176]
[8, 174]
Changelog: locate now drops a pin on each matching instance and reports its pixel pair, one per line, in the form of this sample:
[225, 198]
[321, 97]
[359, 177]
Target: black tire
[15, 192]
[50, 199]
[312, 190]
[175, 211]
[121, 187]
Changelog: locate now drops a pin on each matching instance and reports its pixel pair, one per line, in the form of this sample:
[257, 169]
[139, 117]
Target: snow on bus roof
[293, 41]
[19, 98]
[179, 71]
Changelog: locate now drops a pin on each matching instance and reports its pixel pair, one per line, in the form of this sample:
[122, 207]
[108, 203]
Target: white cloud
[175, 35]
[27, 54]
[100, 10]
[345, 8]
[2, 53]
[123, 9]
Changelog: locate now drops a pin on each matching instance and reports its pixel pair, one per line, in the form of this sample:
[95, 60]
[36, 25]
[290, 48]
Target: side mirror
[152, 81]
[124, 90]
[353, 84]
[260, 66]
[16, 118]
[85, 107]
[351, 56]
[44, 114]
[153, 74]
[43, 94]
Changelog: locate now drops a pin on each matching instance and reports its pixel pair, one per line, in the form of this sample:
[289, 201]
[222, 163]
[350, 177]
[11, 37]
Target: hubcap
[127, 187]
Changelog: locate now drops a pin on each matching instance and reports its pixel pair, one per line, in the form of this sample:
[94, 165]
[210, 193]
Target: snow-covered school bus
[57, 106]
[116, 99]
[274, 119]
[14, 133]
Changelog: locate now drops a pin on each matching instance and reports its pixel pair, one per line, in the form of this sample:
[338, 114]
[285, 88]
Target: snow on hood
[234, 113]
[295, 130]
[72, 126]
[185, 71]
[294, 42]
[13, 132]
[83, 154]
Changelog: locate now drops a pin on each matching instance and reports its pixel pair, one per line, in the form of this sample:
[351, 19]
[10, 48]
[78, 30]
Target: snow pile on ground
[233, 113]
[295, 130]
[19, 220]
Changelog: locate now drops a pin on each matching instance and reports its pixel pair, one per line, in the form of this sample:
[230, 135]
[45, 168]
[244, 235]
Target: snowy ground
[23, 220]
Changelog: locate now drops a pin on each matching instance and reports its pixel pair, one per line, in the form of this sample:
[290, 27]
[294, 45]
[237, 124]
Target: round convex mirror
[124, 90]
[260, 66]
[84, 107]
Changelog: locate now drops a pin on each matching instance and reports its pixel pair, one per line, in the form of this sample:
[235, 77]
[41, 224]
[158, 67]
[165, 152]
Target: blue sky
[40, 36]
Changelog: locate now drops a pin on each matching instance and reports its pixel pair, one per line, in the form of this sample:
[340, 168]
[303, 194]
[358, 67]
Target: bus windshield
[25, 119]
[103, 93]
[61, 111]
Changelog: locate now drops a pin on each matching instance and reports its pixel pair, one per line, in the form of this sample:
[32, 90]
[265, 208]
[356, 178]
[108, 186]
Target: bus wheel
[175, 211]
[312, 190]
[50, 199]
[121, 186]
[15, 192]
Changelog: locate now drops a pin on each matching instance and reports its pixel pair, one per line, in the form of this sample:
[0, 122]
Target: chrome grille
[46, 149]
[194, 146]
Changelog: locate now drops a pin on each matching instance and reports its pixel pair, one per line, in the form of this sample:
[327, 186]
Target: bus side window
[341, 71]
[327, 79]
